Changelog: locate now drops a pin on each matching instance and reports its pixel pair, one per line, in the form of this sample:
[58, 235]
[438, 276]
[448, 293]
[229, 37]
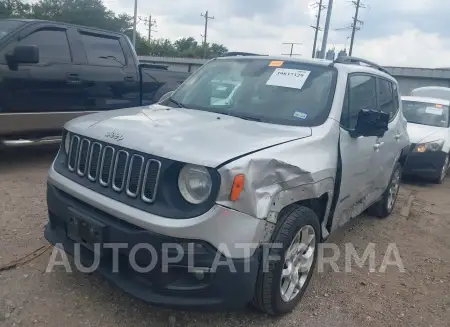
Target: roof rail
[358, 61]
[232, 54]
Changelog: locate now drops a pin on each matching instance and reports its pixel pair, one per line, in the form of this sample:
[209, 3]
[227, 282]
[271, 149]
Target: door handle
[129, 79]
[73, 78]
[377, 146]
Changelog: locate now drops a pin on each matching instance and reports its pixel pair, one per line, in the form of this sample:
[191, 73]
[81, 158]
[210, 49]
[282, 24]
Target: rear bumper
[229, 286]
[427, 164]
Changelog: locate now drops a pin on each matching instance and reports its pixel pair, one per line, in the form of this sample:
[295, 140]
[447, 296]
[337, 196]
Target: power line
[292, 49]
[357, 5]
[205, 34]
[151, 23]
[355, 25]
[317, 28]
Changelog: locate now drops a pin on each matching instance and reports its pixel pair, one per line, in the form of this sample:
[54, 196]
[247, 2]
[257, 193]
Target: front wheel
[281, 283]
[386, 204]
[443, 171]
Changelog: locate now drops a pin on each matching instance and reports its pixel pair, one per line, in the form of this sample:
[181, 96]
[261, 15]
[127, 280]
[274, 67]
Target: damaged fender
[271, 185]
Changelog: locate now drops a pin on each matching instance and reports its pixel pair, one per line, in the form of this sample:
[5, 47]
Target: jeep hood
[423, 133]
[185, 135]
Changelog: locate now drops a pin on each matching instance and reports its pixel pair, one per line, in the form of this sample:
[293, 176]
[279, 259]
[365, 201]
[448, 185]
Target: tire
[443, 172]
[384, 207]
[268, 295]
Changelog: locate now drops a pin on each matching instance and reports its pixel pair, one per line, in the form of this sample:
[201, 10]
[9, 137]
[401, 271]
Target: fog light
[199, 274]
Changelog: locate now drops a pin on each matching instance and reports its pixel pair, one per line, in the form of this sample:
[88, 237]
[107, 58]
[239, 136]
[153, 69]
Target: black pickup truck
[51, 72]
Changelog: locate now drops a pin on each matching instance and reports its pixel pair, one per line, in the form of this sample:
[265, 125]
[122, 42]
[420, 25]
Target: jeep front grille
[115, 168]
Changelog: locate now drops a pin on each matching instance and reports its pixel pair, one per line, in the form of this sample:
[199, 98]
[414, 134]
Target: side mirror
[371, 123]
[165, 96]
[23, 54]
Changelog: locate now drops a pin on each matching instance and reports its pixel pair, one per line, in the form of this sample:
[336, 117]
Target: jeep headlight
[67, 138]
[429, 146]
[194, 183]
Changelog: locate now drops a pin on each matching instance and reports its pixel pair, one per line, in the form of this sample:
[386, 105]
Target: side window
[103, 51]
[386, 97]
[53, 45]
[360, 94]
[396, 98]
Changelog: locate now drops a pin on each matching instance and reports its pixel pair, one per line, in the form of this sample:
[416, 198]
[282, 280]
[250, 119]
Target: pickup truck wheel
[386, 204]
[284, 277]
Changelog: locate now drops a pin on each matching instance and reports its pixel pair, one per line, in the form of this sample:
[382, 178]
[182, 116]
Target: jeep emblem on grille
[115, 135]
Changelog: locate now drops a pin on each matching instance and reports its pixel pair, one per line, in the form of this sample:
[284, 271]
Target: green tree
[14, 9]
[93, 13]
[83, 12]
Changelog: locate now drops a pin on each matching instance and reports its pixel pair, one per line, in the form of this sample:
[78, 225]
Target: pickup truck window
[103, 51]
[53, 45]
[7, 26]
[285, 93]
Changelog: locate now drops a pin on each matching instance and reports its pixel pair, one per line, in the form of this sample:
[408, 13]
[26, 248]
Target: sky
[412, 33]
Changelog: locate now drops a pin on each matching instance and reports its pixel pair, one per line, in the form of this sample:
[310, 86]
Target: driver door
[358, 155]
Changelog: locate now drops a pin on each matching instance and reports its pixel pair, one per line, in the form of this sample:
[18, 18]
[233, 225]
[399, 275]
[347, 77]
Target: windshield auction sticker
[433, 110]
[291, 78]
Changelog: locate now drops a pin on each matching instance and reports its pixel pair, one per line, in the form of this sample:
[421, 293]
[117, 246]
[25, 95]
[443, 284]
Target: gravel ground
[420, 296]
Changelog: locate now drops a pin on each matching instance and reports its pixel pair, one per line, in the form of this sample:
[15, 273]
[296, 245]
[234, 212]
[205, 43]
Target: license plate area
[85, 230]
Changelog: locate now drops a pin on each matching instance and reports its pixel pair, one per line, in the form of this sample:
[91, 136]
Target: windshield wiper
[179, 104]
[245, 117]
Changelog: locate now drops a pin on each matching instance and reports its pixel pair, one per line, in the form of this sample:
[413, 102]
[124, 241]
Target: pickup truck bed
[51, 72]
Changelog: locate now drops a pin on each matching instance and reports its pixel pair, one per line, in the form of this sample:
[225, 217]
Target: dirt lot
[418, 297]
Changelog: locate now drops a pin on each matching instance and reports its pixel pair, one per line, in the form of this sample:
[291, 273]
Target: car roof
[349, 68]
[426, 99]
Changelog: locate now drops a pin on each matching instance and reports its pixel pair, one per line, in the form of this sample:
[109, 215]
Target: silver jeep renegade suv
[233, 195]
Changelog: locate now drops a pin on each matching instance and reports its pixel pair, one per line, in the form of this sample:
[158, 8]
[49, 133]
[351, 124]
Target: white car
[303, 147]
[429, 133]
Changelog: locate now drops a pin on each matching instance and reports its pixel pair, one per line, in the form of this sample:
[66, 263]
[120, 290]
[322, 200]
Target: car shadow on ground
[20, 157]
[417, 181]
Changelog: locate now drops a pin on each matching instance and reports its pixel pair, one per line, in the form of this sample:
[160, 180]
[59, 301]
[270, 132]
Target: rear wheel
[386, 204]
[281, 283]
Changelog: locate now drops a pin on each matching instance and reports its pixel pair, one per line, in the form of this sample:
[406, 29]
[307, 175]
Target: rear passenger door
[45, 86]
[358, 155]
[388, 99]
[110, 76]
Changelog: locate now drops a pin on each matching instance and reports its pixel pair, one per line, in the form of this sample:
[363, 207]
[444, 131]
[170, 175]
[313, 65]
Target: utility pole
[151, 23]
[135, 23]
[326, 29]
[358, 5]
[292, 49]
[317, 27]
[205, 34]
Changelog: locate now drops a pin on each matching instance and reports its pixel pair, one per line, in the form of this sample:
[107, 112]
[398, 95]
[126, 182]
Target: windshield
[289, 93]
[7, 26]
[425, 113]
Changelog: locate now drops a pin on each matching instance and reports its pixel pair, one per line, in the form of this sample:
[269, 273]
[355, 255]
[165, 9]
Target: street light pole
[135, 22]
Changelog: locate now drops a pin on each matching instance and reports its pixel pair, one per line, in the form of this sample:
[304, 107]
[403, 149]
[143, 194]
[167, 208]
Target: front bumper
[220, 226]
[230, 286]
[426, 164]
